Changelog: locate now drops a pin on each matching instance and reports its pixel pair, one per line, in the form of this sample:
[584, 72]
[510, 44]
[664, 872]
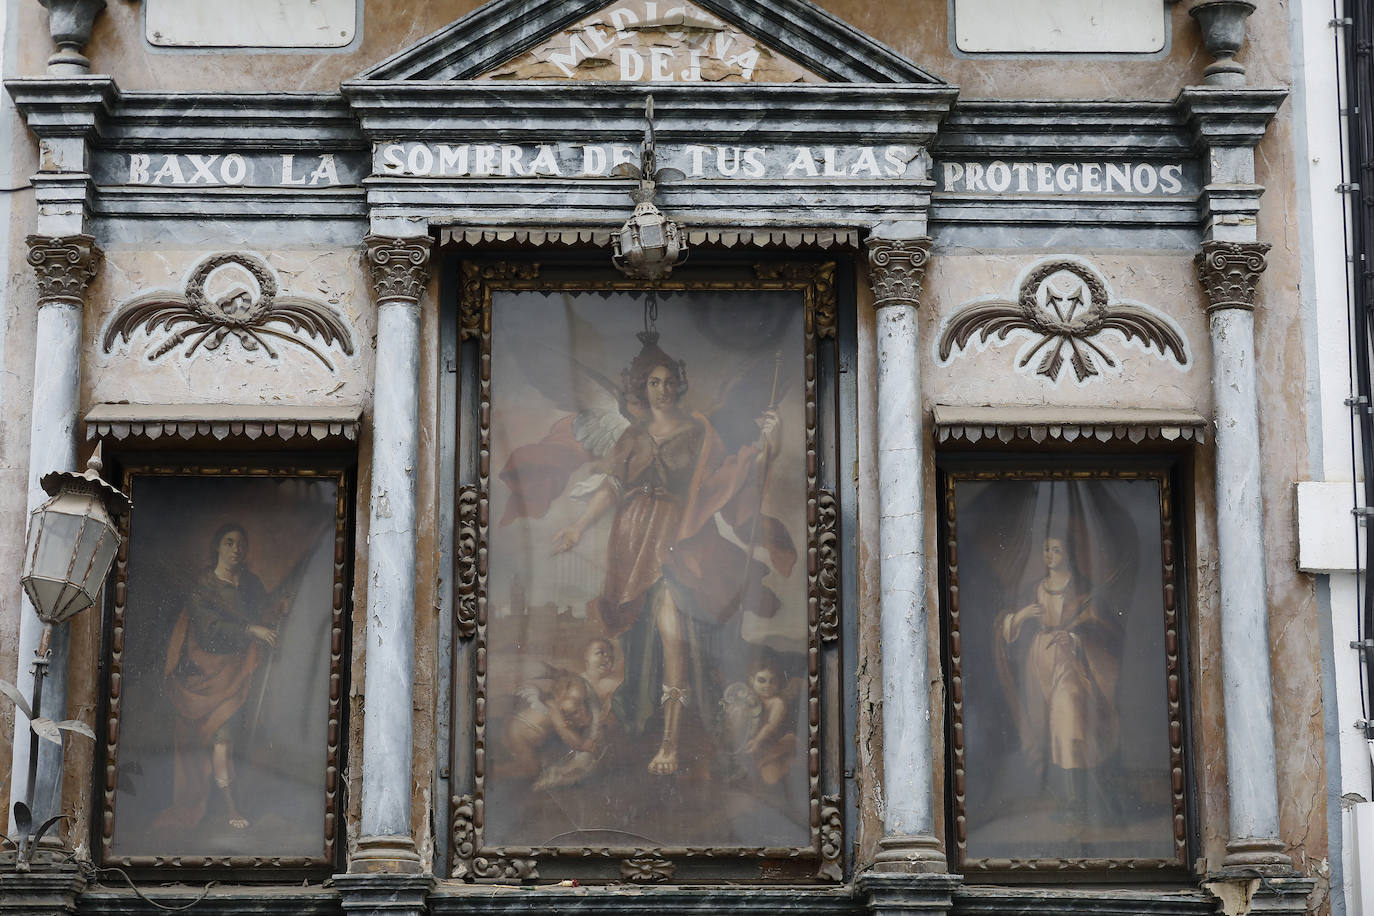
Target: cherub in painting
[755, 715]
[554, 737]
[668, 478]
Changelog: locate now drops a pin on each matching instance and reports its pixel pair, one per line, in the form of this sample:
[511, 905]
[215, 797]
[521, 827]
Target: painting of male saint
[648, 615]
[229, 625]
[1062, 627]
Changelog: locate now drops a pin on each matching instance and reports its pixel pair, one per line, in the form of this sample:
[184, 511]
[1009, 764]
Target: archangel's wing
[597, 430]
[560, 358]
[1137, 324]
[160, 308]
[314, 318]
[985, 320]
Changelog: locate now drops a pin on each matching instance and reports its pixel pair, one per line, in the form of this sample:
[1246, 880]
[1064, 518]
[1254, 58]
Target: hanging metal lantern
[649, 245]
[72, 542]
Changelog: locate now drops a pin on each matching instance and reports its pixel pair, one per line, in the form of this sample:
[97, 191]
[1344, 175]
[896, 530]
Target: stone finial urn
[1223, 32]
[70, 23]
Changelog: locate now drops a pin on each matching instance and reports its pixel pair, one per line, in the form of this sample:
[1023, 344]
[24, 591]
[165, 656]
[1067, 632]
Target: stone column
[1229, 272]
[896, 269]
[400, 273]
[64, 267]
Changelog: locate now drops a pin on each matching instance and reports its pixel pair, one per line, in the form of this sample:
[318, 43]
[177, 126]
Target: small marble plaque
[250, 23]
[1060, 26]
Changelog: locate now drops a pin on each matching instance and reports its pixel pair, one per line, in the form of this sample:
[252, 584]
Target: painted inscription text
[1075, 177]
[603, 160]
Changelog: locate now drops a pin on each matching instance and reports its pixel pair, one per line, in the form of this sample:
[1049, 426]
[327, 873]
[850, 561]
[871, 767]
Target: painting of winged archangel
[648, 629]
[229, 642]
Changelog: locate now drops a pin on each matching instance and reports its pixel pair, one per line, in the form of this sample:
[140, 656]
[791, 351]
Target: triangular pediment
[651, 41]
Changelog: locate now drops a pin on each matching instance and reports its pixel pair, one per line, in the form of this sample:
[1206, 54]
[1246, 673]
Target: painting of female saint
[650, 494]
[1062, 624]
[231, 634]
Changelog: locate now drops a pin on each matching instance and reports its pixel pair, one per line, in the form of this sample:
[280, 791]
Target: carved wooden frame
[1175, 662]
[330, 857]
[470, 859]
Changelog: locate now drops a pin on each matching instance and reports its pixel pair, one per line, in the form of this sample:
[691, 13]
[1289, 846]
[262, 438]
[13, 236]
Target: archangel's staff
[763, 475]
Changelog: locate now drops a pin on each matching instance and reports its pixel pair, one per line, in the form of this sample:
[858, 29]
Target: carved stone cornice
[1229, 272]
[400, 267]
[896, 268]
[64, 266]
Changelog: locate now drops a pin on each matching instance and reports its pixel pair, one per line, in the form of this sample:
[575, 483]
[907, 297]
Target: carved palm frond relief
[245, 306]
[1064, 307]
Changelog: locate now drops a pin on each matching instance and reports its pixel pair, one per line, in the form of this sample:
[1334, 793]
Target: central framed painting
[647, 569]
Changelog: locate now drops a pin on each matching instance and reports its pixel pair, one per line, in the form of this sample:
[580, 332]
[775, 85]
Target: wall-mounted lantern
[72, 542]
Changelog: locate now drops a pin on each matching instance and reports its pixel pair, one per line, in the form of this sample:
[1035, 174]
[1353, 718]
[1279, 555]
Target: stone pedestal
[47, 891]
[383, 895]
[904, 895]
[1256, 893]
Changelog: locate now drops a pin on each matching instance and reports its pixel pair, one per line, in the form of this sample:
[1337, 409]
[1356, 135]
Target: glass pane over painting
[647, 630]
[1063, 649]
[229, 628]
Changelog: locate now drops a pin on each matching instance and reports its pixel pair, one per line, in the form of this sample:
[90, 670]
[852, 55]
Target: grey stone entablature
[799, 30]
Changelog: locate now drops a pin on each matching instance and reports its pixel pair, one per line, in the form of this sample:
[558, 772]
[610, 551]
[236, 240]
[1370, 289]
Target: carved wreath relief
[231, 294]
[1063, 308]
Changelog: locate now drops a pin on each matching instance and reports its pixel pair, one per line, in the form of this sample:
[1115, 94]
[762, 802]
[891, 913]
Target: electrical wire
[1357, 162]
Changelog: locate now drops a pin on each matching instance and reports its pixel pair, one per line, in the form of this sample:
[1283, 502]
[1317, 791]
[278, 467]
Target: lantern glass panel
[58, 535]
[651, 235]
[104, 558]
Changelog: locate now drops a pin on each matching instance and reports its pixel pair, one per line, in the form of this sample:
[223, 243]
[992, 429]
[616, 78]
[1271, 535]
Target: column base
[48, 890]
[894, 894]
[1259, 894]
[1262, 854]
[385, 855]
[906, 855]
[380, 894]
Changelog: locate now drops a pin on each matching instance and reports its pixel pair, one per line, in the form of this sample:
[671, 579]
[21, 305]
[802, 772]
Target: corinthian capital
[1229, 272]
[896, 268]
[400, 267]
[64, 265]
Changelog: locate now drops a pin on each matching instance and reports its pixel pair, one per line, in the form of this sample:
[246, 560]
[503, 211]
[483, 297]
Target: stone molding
[65, 266]
[400, 268]
[905, 895]
[1229, 273]
[376, 894]
[897, 268]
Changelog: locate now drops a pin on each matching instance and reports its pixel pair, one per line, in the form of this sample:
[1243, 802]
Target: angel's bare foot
[236, 820]
[664, 762]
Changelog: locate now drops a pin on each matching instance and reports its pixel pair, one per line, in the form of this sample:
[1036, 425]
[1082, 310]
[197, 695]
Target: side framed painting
[226, 667]
[648, 578]
[1065, 642]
